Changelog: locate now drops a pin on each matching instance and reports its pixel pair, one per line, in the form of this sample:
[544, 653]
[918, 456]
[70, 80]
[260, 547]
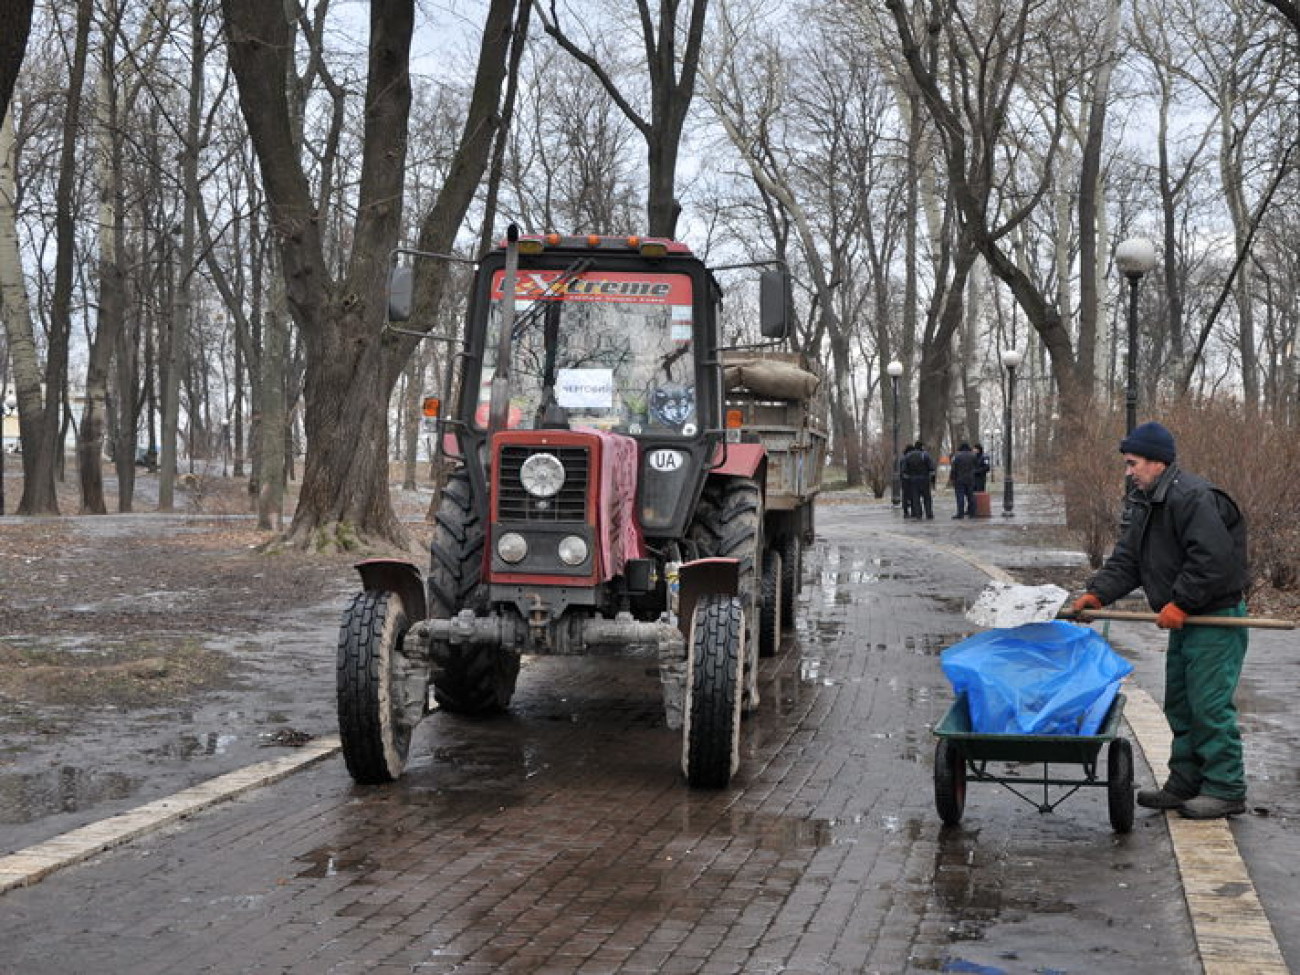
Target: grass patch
[135, 676]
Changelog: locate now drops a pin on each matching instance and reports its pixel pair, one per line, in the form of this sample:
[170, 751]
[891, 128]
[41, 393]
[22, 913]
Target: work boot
[1211, 807]
[1160, 798]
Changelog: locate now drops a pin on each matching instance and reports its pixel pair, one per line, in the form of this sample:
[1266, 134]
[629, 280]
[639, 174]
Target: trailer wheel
[382, 692]
[949, 782]
[711, 735]
[791, 577]
[1119, 784]
[771, 612]
[469, 679]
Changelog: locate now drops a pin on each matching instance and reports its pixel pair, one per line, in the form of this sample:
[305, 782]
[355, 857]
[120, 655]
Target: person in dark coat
[918, 478]
[909, 500]
[982, 468]
[1185, 545]
[962, 476]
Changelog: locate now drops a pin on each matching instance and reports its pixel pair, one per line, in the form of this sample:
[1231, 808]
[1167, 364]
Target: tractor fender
[703, 577]
[399, 576]
[740, 459]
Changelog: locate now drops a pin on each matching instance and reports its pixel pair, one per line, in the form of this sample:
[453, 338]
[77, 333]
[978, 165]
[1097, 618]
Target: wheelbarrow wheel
[949, 782]
[1119, 784]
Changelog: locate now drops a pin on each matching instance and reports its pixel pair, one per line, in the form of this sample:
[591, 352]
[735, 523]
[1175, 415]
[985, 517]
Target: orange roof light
[593, 240]
[553, 240]
[431, 407]
[735, 419]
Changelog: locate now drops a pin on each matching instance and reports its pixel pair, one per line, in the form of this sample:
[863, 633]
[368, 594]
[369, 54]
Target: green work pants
[1201, 674]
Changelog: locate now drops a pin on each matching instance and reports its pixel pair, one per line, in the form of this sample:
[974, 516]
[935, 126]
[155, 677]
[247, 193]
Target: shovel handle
[1256, 622]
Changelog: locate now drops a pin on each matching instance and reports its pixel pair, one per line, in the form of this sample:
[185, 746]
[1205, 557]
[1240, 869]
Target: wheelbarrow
[961, 755]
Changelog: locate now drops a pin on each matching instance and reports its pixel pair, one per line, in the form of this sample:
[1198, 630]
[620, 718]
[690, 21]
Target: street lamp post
[895, 369]
[1010, 359]
[7, 409]
[1134, 257]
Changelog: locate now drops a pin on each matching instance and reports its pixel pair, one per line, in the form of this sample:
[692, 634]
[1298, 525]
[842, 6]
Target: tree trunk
[109, 322]
[182, 314]
[272, 428]
[1090, 202]
[15, 25]
[42, 427]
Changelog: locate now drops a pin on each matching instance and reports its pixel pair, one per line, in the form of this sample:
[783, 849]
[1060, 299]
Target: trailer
[778, 400]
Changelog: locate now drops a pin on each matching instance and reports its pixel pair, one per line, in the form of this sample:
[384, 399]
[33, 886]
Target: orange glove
[1086, 602]
[1171, 617]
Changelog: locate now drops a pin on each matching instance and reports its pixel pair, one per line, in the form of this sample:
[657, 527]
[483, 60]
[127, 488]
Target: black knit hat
[1152, 441]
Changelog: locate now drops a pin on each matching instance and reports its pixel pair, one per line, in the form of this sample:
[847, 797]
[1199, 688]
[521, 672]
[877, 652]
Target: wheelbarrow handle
[1256, 622]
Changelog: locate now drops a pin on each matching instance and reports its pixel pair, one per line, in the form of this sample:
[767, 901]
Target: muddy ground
[143, 653]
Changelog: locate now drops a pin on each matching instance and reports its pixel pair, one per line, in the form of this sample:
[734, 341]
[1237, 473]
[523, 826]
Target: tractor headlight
[512, 547]
[542, 475]
[573, 550]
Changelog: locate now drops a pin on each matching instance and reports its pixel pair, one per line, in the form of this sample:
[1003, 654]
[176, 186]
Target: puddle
[326, 862]
[28, 796]
[194, 746]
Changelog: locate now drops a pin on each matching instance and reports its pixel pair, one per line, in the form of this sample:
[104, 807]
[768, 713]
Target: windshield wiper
[554, 288]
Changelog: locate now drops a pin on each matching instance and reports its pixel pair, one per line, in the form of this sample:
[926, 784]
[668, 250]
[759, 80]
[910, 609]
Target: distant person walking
[1185, 545]
[918, 479]
[962, 476]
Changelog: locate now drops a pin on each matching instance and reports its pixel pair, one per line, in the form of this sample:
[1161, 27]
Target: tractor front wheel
[382, 691]
[711, 736]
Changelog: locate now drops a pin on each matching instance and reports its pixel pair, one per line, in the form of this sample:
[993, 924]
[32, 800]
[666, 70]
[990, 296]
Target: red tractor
[599, 500]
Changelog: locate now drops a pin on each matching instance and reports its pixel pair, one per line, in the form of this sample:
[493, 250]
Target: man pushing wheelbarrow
[1185, 545]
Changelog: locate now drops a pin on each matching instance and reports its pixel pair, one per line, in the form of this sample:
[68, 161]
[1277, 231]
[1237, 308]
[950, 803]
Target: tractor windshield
[603, 349]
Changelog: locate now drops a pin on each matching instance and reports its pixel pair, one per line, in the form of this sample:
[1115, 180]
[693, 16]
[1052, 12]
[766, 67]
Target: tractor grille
[570, 504]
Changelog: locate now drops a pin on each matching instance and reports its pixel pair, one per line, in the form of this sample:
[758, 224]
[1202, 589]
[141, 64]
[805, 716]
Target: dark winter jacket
[964, 463]
[918, 463]
[1185, 544]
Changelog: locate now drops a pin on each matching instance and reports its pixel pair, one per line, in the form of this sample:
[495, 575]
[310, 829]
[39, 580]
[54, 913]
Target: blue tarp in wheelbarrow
[1052, 678]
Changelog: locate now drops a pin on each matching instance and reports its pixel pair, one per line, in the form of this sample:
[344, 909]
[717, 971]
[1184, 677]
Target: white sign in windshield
[584, 389]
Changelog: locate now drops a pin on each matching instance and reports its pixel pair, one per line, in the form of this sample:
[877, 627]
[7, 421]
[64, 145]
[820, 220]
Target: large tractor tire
[729, 524]
[711, 733]
[382, 693]
[468, 679]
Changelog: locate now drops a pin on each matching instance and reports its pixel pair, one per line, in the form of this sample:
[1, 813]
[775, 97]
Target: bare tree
[351, 367]
[672, 87]
[986, 55]
[43, 409]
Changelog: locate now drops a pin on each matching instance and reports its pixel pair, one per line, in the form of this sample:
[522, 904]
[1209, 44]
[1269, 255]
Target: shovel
[1002, 605]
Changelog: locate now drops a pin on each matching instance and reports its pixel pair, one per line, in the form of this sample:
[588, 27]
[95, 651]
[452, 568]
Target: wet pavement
[560, 838]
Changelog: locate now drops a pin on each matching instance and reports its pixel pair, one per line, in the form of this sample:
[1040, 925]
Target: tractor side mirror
[774, 304]
[401, 290]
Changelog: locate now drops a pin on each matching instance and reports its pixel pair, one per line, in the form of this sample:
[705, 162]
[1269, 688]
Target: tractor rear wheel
[382, 692]
[729, 525]
[711, 736]
[469, 679]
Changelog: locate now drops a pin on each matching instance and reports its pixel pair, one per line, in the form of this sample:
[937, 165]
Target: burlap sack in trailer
[771, 378]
